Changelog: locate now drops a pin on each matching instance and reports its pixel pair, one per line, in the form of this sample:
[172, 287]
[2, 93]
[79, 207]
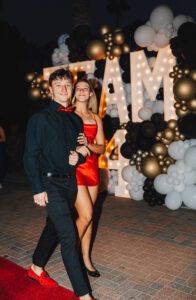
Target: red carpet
[14, 285]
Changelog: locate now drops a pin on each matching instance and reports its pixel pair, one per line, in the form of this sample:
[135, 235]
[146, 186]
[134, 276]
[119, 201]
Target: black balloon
[127, 150]
[187, 126]
[148, 129]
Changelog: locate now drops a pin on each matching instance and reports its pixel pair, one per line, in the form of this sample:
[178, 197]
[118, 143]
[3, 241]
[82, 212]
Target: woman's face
[82, 92]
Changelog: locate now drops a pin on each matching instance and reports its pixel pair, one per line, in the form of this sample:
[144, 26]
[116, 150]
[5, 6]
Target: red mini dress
[87, 173]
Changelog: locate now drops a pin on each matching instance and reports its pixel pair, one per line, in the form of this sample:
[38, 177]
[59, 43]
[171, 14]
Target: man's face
[61, 91]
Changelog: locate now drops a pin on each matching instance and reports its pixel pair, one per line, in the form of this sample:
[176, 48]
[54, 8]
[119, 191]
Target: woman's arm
[99, 147]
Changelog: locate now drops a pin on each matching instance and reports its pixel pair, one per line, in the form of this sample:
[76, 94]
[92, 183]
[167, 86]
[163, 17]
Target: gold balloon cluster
[184, 91]
[161, 152]
[39, 88]
[137, 159]
[111, 45]
[171, 133]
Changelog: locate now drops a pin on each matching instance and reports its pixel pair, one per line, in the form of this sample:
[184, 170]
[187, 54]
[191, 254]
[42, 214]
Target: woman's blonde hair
[92, 104]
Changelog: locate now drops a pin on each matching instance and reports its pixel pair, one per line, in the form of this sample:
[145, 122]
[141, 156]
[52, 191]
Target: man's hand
[73, 158]
[83, 150]
[41, 199]
[82, 139]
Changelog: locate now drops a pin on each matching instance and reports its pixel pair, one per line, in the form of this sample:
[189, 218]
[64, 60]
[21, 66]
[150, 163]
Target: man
[50, 160]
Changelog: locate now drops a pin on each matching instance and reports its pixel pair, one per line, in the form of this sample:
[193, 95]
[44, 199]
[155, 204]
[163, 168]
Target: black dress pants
[61, 193]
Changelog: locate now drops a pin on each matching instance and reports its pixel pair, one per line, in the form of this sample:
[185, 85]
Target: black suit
[51, 134]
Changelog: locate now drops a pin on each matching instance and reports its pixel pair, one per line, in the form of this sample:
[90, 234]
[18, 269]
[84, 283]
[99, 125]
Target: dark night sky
[41, 21]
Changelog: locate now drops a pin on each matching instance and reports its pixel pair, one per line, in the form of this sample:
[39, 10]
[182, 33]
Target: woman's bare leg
[86, 239]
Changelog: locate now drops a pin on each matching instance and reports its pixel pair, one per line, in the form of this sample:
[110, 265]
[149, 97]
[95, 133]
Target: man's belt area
[56, 175]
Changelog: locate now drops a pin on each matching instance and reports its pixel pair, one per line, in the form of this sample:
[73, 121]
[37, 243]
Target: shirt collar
[55, 105]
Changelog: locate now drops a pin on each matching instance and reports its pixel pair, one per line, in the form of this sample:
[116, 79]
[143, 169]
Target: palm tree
[81, 14]
[117, 7]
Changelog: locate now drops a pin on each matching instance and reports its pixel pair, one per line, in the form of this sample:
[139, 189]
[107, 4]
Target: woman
[87, 173]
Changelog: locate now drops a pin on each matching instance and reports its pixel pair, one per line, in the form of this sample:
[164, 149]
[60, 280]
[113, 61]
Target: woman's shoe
[93, 273]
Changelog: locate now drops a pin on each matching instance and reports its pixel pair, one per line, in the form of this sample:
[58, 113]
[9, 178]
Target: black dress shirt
[51, 135]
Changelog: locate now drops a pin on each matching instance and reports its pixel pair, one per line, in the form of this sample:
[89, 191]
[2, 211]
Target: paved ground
[141, 252]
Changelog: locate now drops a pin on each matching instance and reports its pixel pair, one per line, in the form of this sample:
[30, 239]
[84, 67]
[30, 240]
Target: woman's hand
[82, 139]
[83, 150]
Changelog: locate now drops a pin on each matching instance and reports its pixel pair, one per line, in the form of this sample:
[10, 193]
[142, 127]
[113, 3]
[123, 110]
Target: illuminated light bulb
[171, 61]
[162, 69]
[88, 66]
[110, 79]
[169, 51]
[118, 164]
[147, 71]
[165, 60]
[125, 107]
[139, 92]
[150, 79]
[111, 70]
[139, 83]
[139, 57]
[121, 88]
[138, 74]
[82, 68]
[76, 68]
[123, 98]
[158, 77]
[114, 99]
[118, 140]
[138, 66]
[143, 64]
[155, 88]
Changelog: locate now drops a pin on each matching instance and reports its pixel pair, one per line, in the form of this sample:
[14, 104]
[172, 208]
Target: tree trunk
[81, 14]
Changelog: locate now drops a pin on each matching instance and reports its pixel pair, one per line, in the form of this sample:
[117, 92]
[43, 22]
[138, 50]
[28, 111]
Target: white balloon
[190, 157]
[146, 95]
[114, 113]
[161, 16]
[176, 150]
[144, 35]
[127, 172]
[149, 104]
[179, 20]
[189, 196]
[138, 196]
[173, 200]
[62, 39]
[192, 142]
[190, 19]
[158, 107]
[161, 185]
[190, 177]
[145, 113]
[161, 40]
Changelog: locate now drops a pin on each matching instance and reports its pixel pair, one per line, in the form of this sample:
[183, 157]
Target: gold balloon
[105, 29]
[165, 141]
[168, 134]
[161, 163]
[164, 170]
[159, 149]
[116, 50]
[160, 156]
[118, 38]
[172, 123]
[96, 50]
[193, 74]
[126, 48]
[35, 93]
[182, 137]
[45, 85]
[29, 76]
[177, 105]
[192, 104]
[180, 113]
[150, 167]
[184, 89]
